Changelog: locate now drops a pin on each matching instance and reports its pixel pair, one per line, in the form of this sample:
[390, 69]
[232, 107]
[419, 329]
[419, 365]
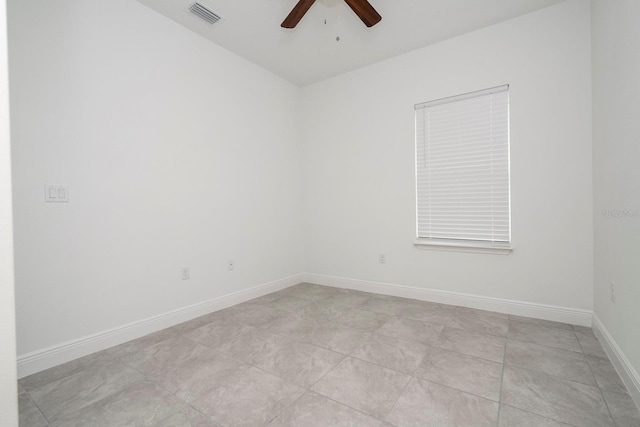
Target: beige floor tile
[362, 319]
[606, 375]
[623, 409]
[28, 413]
[590, 345]
[486, 325]
[564, 339]
[561, 400]
[460, 371]
[390, 352]
[299, 363]
[72, 393]
[513, 417]
[548, 360]
[314, 355]
[471, 343]
[249, 397]
[188, 417]
[141, 405]
[364, 386]
[412, 330]
[314, 410]
[424, 403]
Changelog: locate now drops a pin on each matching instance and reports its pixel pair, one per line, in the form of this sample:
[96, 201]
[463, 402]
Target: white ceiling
[310, 52]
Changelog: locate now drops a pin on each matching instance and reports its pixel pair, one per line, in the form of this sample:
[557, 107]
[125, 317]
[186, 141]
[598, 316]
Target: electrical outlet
[56, 194]
[613, 291]
[382, 259]
[186, 275]
[231, 265]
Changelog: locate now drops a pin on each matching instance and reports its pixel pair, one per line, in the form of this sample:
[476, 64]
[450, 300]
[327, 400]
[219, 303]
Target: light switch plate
[56, 194]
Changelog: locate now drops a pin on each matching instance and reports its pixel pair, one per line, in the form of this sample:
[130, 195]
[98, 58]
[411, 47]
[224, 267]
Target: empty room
[320, 213]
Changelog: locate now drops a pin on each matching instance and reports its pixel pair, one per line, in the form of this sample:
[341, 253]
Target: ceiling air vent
[204, 13]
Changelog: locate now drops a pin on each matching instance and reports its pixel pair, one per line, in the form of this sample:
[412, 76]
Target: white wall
[616, 143]
[176, 152]
[8, 385]
[359, 162]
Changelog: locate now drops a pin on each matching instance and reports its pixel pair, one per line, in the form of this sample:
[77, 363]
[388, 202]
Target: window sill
[459, 246]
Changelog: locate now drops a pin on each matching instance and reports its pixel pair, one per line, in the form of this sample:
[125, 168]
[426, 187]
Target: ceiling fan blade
[297, 13]
[365, 11]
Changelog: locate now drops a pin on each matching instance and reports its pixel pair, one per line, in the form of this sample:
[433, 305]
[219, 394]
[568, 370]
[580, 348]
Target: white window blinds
[462, 167]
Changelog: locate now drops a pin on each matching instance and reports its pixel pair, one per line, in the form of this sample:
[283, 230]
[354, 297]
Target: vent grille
[204, 13]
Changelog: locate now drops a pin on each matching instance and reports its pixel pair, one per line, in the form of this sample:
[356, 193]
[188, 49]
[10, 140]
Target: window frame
[467, 244]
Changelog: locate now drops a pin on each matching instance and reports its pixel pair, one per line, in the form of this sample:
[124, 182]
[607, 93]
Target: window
[462, 171]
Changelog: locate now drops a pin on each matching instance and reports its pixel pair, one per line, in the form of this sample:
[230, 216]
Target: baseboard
[627, 372]
[45, 358]
[573, 316]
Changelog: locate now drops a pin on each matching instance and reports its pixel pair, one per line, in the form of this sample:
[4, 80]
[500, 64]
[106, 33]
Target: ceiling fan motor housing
[362, 8]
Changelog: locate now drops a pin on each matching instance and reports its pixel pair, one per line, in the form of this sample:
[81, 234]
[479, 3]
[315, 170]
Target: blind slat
[462, 167]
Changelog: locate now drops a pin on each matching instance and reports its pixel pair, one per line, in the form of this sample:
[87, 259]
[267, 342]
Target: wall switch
[231, 265]
[56, 194]
[186, 274]
[382, 259]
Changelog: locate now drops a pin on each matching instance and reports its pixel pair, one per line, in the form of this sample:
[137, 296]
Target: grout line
[520, 368]
[547, 346]
[596, 381]
[532, 321]
[542, 416]
[38, 408]
[560, 379]
[190, 405]
[286, 407]
[411, 378]
[406, 339]
[504, 358]
[327, 373]
[80, 371]
[147, 378]
[348, 406]
[555, 377]
[474, 311]
[454, 388]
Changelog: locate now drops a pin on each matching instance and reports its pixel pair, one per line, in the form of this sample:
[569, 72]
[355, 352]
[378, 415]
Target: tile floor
[317, 356]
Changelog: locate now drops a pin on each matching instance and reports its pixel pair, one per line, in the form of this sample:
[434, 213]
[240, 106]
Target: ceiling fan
[362, 8]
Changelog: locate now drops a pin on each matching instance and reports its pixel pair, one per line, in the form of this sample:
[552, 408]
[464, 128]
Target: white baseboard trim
[45, 358]
[627, 372]
[573, 316]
